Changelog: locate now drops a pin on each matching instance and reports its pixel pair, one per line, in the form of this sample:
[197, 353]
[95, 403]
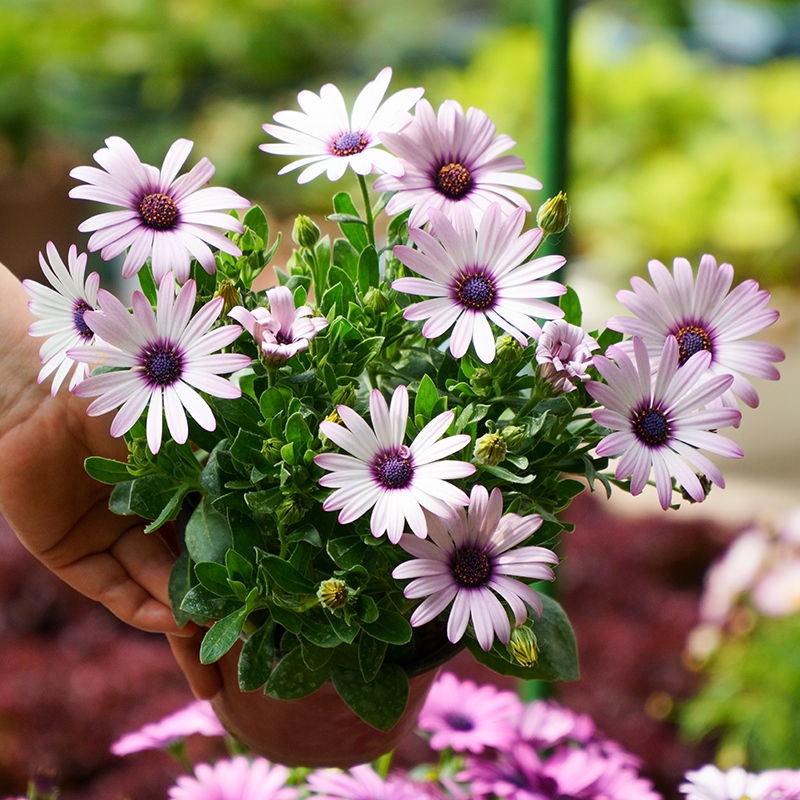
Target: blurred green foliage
[751, 699]
[673, 153]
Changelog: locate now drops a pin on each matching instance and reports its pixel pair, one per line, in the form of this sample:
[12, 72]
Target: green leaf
[368, 270]
[148, 284]
[222, 636]
[346, 631]
[608, 337]
[119, 501]
[570, 304]
[179, 585]
[292, 679]
[150, 495]
[200, 601]
[346, 551]
[353, 227]
[238, 567]
[558, 655]
[370, 656]
[427, 397]
[256, 658]
[390, 627]
[208, 535]
[256, 219]
[240, 413]
[286, 576]
[366, 608]
[379, 702]
[214, 577]
[508, 476]
[171, 509]
[106, 470]
[297, 430]
[315, 657]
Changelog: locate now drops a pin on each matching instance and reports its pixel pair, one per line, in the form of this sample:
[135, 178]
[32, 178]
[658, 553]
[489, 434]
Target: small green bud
[490, 449]
[508, 349]
[523, 647]
[333, 593]
[271, 450]
[480, 379]
[344, 395]
[553, 215]
[230, 295]
[377, 300]
[305, 232]
[290, 511]
[514, 436]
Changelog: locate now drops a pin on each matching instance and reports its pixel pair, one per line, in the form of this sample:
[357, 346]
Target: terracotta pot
[318, 730]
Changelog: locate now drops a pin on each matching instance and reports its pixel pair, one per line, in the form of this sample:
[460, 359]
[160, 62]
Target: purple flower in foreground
[281, 331]
[165, 356]
[165, 217]
[464, 716]
[711, 783]
[564, 352]
[360, 783]
[398, 480]
[329, 141]
[468, 560]
[61, 311]
[450, 160]
[477, 277]
[660, 424]
[546, 724]
[703, 315]
[235, 779]
[197, 717]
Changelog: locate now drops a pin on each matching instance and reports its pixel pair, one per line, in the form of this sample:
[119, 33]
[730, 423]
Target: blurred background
[684, 139]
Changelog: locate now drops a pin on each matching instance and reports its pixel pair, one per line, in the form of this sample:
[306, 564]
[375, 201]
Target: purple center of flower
[453, 180]
[348, 144]
[475, 291]
[162, 365]
[692, 339]
[394, 470]
[651, 426]
[471, 567]
[81, 307]
[283, 338]
[158, 211]
[458, 721]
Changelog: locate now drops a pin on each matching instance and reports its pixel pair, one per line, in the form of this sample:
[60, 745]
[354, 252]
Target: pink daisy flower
[166, 218]
[382, 472]
[327, 140]
[467, 561]
[475, 277]
[450, 160]
[60, 311]
[361, 782]
[281, 331]
[464, 716]
[564, 352]
[660, 424]
[165, 356]
[197, 717]
[546, 724]
[703, 314]
[235, 779]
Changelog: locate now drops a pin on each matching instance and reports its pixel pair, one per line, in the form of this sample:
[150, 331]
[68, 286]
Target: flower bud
[271, 449]
[514, 436]
[305, 232]
[230, 296]
[344, 395]
[490, 449]
[333, 593]
[480, 379]
[290, 511]
[553, 215]
[523, 647]
[508, 349]
[376, 300]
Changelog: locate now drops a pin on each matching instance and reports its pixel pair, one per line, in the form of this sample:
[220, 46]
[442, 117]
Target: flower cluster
[345, 453]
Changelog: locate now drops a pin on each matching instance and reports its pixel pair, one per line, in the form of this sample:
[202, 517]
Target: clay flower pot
[318, 730]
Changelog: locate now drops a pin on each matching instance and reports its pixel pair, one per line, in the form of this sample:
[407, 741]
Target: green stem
[367, 210]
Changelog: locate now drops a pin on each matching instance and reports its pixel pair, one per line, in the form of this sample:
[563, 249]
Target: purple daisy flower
[237, 778]
[398, 480]
[467, 561]
[464, 716]
[479, 276]
[281, 331]
[164, 356]
[703, 314]
[660, 423]
[197, 717]
[329, 141]
[546, 724]
[451, 160]
[564, 352]
[168, 218]
[361, 782]
[61, 311]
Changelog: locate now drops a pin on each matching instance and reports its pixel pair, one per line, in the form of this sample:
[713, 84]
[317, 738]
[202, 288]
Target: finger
[205, 680]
